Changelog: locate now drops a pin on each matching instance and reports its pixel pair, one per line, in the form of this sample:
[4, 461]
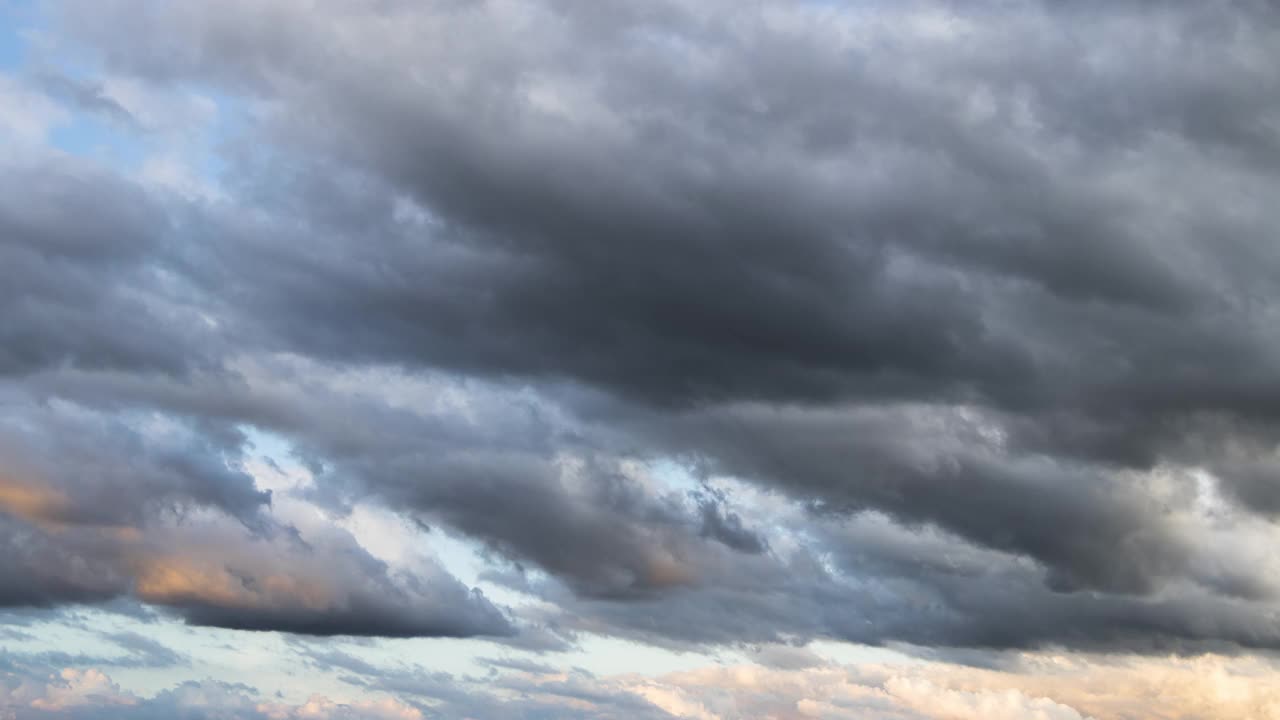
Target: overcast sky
[698, 359]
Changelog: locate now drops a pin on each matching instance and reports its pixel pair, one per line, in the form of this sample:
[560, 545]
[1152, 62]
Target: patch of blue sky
[459, 656]
[103, 140]
[231, 656]
[80, 633]
[675, 475]
[85, 133]
[269, 444]
[383, 533]
[108, 139]
[230, 123]
[617, 656]
[17, 19]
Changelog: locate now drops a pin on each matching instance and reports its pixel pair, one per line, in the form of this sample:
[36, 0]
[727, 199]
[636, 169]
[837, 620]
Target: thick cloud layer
[908, 322]
[95, 507]
[75, 277]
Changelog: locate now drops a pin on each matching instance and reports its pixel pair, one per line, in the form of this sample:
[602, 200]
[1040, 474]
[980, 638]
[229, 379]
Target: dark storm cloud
[727, 526]
[97, 506]
[1093, 530]
[961, 595]
[41, 572]
[79, 467]
[507, 469]
[220, 579]
[79, 283]
[869, 581]
[1003, 272]
[666, 228]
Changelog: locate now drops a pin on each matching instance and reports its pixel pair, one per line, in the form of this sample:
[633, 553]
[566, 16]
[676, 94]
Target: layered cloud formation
[1210, 687]
[702, 325]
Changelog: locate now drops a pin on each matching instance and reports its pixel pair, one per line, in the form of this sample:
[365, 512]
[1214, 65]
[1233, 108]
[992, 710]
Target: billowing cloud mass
[696, 325]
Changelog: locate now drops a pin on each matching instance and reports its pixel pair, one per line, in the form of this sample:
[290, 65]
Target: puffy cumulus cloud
[92, 695]
[891, 322]
[1045, 687]
[323, 708]
[836, 693]
[1035, 686]
[63, 692]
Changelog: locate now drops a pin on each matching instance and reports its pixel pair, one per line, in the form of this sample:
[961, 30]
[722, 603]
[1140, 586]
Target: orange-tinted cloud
[32, 502]
[1040, 686]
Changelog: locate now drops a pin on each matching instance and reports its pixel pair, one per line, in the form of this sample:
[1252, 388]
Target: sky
[694, 359]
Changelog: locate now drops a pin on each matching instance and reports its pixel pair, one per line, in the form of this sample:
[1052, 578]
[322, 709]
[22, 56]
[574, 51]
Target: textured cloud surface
[696, 325]
[1210, 687]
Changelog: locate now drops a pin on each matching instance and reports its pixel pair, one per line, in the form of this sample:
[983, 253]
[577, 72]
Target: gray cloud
[69, 465]
[96, 506]
[216, 578]
[29, 694]
[84, 280]
[1001, 273]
